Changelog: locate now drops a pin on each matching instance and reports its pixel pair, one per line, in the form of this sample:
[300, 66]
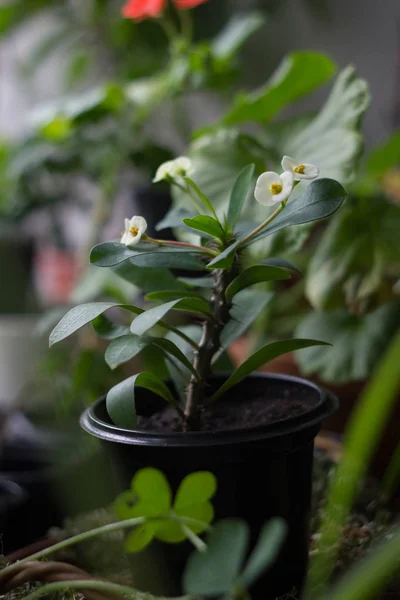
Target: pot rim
[328, 403]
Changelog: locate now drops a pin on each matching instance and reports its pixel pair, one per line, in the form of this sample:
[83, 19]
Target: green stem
[264, 224]
[86, 535]
[179, 244]
[187, 190]
[186, 25]
[100, 586]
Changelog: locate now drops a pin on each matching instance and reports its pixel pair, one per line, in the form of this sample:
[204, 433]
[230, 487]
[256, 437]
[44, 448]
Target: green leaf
[332, 140]
[349, 265]
[239, 195]
[201, 282]
[124, 348]
[206, 225]
[152, 487]
[384, 157]
[217, 159]
[298, 74]
[253, 275]
[151, 317]
[214, 572]
[202, 197]
[81, 315]
[121, 398]
[320, 199]
[140, 537]
[225, 258]
[107, 330]
[248, 305]
[148, 279]
[260, 358]
[235, 33]
[269, 544]
[169, 348]
[194, 489]
[281, 262]
[358, 342]
[145, 254]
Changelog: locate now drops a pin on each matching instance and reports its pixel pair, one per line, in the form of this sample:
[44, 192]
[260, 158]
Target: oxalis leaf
[261, 357]
[121, 398]
[150, 496]
[216, 571]
[253, 275]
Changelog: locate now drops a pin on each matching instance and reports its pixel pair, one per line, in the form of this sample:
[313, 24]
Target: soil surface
[244, 412]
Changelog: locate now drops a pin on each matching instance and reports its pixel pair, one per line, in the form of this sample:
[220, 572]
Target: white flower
[171, 169]
[134, 229]
[272, 188]
[299, 170]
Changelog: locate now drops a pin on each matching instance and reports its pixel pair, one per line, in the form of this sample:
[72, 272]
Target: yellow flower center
[134, 231]
[275, 188]
[300, 169]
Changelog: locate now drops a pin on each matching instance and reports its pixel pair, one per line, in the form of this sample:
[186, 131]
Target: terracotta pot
[348, 395]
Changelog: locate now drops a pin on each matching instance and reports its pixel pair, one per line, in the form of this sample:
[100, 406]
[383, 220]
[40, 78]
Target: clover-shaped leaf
[150, 496]
[217, 571]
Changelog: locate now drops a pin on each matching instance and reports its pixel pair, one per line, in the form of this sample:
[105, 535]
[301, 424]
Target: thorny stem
[208, 346]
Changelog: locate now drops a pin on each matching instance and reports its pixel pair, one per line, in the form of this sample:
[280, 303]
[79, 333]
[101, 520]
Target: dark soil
[254, 410]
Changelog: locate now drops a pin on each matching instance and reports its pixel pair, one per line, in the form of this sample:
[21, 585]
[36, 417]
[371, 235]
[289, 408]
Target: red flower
[145, 9]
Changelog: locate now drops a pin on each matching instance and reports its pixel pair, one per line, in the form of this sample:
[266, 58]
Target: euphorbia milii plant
[222, 302]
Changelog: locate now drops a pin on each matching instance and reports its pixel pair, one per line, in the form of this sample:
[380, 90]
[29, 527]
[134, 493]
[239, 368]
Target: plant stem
[86, 535]
[112, 589]
[208, 346]
[179, 245]
[264, 224]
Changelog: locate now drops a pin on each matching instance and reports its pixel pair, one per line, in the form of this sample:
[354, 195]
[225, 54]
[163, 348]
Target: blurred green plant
[361, 438]
[352, 273]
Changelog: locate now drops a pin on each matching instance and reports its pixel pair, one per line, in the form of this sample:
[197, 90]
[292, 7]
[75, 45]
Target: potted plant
[254, 432]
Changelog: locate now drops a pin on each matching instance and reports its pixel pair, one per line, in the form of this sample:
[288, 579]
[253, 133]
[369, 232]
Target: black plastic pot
[262, 472]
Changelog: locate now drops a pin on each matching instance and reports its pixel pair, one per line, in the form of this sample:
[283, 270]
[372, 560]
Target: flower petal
[179, 167]
[138, 10]
[310, 171]
[289, 163]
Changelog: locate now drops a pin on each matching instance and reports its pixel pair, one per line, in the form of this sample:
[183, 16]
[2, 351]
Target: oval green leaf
[214, 572]
[124, 348]
[206, 225]
[151, 317]
[269, 544]
[239, 195]
[261, 357]
[121, 398]
[253, 275]
[81, 315]
[322, 198]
